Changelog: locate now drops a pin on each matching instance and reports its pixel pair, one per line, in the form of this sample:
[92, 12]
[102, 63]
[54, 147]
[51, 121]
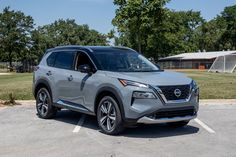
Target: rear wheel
[109, 116]
[178, 124]
[44, 106]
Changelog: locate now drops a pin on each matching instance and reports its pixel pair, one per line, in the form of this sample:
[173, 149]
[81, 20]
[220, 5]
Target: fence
[186, 64]
[17, 66]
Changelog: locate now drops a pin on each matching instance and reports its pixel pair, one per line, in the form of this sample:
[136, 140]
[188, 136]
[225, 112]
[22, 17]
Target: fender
[116, 94]
[42, 82]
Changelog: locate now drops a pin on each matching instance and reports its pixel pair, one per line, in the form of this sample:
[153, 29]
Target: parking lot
[72, 134]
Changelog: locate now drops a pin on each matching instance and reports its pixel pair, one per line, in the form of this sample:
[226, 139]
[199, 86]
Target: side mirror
[85, 68]
[158, 66]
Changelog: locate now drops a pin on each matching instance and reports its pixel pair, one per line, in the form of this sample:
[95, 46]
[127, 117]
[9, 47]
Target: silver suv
[117, 85]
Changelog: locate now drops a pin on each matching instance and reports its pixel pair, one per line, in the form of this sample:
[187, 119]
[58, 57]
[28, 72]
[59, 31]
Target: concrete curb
[218, 101]
[26, 102]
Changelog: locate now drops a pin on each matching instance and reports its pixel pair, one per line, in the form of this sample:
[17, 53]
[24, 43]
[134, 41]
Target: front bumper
[169, 115]
[141, 110]
[147, 120]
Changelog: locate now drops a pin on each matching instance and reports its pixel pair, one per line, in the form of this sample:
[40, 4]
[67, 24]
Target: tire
[178, 124]
[109, 116]
[44, 106]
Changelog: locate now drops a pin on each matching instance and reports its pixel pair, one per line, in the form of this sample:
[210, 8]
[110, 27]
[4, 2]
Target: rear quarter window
[51, 59]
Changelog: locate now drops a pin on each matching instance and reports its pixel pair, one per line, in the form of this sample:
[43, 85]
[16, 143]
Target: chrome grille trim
[161, 95]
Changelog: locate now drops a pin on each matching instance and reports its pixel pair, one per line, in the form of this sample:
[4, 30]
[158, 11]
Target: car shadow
[159, 131]
[68, 116]
[139, 131]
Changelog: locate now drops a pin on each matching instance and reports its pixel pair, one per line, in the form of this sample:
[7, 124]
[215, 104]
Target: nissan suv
[116, 84]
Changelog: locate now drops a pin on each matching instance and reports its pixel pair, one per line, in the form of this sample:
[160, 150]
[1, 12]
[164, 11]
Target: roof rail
[72, 46]
[66, 46]
[122, 47]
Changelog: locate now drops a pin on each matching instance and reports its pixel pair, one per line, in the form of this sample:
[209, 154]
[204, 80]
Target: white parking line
[79, 125]
[205, 126]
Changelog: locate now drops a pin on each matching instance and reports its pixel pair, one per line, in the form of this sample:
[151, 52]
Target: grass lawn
[212, 85]
[18, 84]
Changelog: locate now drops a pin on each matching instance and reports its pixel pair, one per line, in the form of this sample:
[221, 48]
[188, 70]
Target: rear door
[64, 65]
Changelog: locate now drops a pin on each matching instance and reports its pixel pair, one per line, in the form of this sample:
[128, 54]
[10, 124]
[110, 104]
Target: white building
[196, 60]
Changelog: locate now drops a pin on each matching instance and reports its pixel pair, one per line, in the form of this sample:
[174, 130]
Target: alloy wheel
[108, 115]
[42, 103]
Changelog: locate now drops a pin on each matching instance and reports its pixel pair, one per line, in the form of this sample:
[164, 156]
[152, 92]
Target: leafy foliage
[21, 42]
[228, 17]
[135, 18]
[15, 33]
[144, 25]
[64, 32]
[156, 31]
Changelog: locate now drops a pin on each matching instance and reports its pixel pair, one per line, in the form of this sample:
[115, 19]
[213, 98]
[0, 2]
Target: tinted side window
[51, 59]
[83, 59]
[65, 60]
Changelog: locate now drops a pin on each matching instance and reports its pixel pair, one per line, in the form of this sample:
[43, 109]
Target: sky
[98, 14]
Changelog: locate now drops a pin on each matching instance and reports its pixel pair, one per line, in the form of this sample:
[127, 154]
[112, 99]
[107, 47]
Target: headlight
[194, 85]
[195, 89]
[143, 95]
[132, 83]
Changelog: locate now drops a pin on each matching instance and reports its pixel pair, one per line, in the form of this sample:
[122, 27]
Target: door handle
[49, 73]
[70, 78]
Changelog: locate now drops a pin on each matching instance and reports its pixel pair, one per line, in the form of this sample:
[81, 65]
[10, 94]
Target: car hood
[162, 78]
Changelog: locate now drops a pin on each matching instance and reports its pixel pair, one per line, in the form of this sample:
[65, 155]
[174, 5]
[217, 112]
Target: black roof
[91, 48]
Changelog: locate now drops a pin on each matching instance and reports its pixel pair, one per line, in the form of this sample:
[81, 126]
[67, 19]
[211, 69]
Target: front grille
[174, 112]
[169, 92]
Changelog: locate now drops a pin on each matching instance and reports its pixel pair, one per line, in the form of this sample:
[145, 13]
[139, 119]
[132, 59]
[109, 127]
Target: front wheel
[109, 116]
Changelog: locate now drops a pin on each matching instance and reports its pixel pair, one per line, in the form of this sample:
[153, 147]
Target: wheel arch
[42, 83]
[109, 91]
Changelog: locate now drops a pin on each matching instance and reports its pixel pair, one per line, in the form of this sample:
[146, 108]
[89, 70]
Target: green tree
[134, 20]
[228, 39]
[148, 27]
[15, 34]
[64, 32]
[219, 33]
[209, 34]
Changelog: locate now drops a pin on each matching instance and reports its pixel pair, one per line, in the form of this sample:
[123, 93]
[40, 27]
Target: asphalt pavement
[71, 134]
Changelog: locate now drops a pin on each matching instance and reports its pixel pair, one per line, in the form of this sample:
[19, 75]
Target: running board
[72, 106]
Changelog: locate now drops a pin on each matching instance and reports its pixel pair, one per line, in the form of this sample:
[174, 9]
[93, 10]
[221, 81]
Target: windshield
[124, 62]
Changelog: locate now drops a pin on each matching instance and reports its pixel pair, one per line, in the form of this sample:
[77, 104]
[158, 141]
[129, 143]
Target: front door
[81, 81]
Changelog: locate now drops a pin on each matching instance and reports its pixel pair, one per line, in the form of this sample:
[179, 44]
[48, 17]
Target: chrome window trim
[70, 50]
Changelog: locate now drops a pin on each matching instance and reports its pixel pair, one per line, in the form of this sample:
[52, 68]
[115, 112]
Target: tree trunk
[139, 35]
[10, 59]
[139, 42]
[10, 62]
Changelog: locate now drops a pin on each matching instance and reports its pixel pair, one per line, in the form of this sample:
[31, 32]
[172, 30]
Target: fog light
[144, 95]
